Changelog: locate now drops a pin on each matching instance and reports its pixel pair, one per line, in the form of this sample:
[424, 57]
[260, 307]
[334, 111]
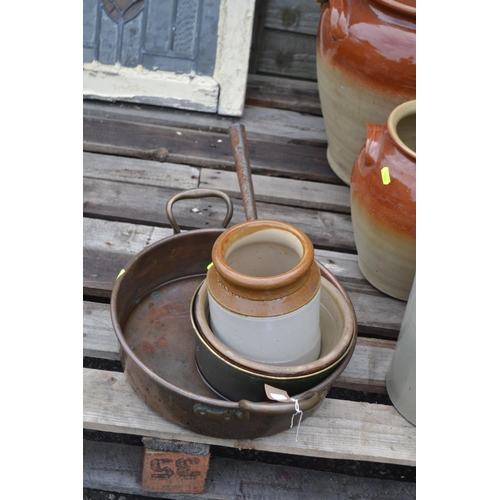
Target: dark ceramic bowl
[234, 377]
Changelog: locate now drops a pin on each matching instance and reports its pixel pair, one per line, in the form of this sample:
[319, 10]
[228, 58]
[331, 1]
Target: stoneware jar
[366, 66]
[264, 293]
[402, 376]
[383, 202]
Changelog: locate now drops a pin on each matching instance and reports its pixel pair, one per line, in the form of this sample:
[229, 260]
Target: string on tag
[282, 396]
[299, 412]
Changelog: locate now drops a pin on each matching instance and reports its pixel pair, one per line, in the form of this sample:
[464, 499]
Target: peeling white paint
[119, 82]
[223, 93]
[233, 54]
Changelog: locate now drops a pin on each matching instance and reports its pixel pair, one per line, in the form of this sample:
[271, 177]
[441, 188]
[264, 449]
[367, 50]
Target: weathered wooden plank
[377, 314]
[204, 149]
[294, 127]
[283, 93]
[117, 467]
[119, 238]
[146, 205]
[293, 192]
[282, 191]
[366, 371]
[109, 245]
[281, 125]
[99, 339]
[149, 173]
[338, 429]
[129, 239]
[288, 54]
[297, 16]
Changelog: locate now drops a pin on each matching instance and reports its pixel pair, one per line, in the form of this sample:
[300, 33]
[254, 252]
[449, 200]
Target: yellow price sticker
[386, 176]
[120, 273]
[210, 265]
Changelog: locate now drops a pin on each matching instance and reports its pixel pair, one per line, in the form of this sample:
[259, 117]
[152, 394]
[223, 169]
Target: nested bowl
[235, 377]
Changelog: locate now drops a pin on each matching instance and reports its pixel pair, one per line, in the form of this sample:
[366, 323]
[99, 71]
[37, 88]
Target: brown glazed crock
[383, 202]
[262, 296]
[264, 293]
[366, 66]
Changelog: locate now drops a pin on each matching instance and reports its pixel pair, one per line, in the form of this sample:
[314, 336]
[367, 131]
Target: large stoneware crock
[401, 379]
[383, 202]
[366, 66]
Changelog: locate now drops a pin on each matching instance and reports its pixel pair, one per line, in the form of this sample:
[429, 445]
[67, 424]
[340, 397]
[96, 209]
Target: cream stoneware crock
[264, 293]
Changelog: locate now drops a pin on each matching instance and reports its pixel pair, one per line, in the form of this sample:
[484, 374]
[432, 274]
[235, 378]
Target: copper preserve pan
[150, 313]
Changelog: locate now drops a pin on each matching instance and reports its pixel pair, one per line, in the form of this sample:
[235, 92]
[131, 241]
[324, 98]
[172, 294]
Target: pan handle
[307, 402]
[198, 193]
[239, 146]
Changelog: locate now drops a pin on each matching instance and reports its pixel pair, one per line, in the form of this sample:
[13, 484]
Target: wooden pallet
[137, 157]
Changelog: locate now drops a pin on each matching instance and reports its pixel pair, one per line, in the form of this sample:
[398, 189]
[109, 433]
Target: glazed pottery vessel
[264, 293]
[383, 202]
[402, 376]
[366, 66]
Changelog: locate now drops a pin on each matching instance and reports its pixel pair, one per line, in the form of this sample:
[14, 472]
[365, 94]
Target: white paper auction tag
[277, 394]
[283, 397]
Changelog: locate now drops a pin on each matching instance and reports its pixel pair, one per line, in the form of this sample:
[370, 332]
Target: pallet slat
[306, 194]
[137, 171]
[261, 123]
[146, 205]
[338, 429]
[298, 193]
[281, 93]
[204, 149]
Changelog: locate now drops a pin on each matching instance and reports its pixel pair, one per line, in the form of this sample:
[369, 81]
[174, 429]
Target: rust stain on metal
[147, 347]
[162, 342]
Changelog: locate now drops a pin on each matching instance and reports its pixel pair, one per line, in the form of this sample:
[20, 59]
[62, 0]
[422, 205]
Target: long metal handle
[239, 145]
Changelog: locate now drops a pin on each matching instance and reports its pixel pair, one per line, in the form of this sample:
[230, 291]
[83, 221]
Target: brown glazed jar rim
[268, 296]
[405, 109]
[258, 283]
[399, 6]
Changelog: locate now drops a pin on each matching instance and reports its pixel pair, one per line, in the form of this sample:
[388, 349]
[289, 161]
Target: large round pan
[150, 312]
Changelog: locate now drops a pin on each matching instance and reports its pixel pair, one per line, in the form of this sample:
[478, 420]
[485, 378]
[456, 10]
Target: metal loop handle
[198, 193]
[307, 402]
